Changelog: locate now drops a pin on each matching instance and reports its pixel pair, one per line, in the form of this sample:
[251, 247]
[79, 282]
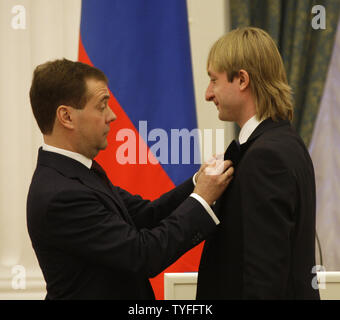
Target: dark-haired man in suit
[264, 245]
[94, 240]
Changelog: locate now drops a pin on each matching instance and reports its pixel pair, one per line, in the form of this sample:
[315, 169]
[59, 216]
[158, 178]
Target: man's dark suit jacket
[264, 247]
[92, 243]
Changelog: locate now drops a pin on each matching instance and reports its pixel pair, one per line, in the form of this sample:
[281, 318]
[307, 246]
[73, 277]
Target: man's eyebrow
[210, 74]
[106, 97]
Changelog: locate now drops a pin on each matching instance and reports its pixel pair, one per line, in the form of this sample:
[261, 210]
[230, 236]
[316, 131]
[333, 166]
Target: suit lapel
[265, 125]
[93, 182]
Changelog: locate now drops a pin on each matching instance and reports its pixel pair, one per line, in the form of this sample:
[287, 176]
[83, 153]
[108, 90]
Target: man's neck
[58, 142]
[62, 145]
[247, 109]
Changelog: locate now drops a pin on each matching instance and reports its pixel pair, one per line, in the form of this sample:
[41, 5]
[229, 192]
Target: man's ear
[244, 79]
[65, 116]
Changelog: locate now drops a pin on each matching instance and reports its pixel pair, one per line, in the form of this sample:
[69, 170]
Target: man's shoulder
[279, 147]
[47, 183]
[280, 139]
[49, 178]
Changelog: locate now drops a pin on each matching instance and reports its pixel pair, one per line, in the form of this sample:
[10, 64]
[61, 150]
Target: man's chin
[104, 145]
[99, 148]
[224, 117]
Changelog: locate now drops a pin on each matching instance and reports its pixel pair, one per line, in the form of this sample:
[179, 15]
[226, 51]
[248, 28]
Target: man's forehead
[212, 72]
[96, 87]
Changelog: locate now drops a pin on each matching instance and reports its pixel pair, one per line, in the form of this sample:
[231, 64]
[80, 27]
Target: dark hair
[60, 82]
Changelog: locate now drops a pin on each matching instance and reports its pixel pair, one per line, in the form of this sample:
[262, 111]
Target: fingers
[227, 164]
[213, 181]
[217, 167]
[215, 157]
[228, 174]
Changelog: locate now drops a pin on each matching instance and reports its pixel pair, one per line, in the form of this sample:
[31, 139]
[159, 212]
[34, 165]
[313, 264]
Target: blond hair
[253, 50]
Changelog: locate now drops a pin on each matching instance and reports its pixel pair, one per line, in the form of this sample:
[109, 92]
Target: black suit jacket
[264, 247]
[95, 243]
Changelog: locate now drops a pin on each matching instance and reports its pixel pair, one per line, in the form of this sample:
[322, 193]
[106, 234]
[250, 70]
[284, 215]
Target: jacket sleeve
[268, 200]
[148, 214]
[80, 224]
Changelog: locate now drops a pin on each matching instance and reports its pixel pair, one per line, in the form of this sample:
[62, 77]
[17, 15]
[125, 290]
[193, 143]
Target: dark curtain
[306, 52]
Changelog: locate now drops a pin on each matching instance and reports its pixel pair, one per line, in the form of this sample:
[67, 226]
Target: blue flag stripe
[143, 47]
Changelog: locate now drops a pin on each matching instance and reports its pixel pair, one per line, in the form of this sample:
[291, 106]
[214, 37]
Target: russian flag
[143, 48]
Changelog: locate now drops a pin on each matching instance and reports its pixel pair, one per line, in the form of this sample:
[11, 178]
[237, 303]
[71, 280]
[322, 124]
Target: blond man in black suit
[264, 245]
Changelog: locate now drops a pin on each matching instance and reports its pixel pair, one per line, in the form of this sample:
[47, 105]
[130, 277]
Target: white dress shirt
[247, 129]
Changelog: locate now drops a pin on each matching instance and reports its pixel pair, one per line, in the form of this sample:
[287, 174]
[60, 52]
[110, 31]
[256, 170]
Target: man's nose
[112, 116]
[209, 94]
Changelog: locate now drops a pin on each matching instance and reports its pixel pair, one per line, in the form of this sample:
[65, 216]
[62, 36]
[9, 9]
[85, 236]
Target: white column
[208, 21]
[31, 32]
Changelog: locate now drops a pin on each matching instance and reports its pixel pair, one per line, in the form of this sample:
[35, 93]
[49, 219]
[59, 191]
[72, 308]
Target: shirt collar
[248, 128]
[73, 155]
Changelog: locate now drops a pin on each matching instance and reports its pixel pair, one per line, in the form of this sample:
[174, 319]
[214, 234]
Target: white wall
[51, 31]
[208, 20]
